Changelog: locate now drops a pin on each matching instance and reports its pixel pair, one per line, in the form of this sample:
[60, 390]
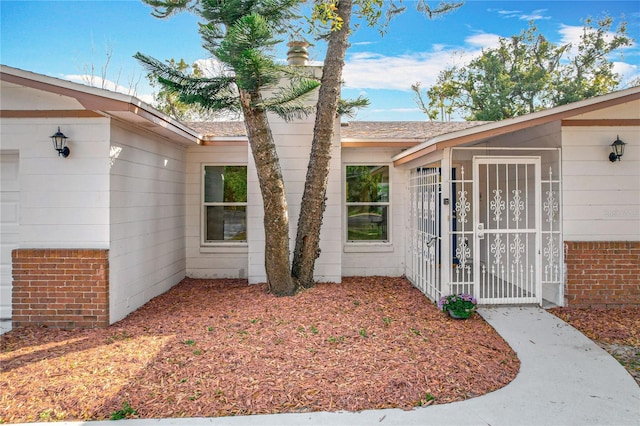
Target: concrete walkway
[564, 379]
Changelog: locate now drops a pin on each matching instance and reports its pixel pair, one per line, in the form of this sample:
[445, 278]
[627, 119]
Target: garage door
[9, 197]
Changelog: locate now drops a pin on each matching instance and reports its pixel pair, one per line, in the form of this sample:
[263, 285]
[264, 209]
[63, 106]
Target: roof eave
[483, 131]
[102, 101]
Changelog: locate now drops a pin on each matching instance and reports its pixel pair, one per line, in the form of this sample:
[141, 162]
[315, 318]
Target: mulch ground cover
[222, 348]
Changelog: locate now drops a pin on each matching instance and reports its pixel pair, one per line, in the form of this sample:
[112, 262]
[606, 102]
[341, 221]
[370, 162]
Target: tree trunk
[307, 248]
[276, 219]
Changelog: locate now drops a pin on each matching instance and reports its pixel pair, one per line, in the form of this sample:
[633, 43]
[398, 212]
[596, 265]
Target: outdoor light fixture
[617, 150]
[59, 143]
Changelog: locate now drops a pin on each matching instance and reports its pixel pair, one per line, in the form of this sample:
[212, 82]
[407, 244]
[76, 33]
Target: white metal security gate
[423, 251]
[506, 238]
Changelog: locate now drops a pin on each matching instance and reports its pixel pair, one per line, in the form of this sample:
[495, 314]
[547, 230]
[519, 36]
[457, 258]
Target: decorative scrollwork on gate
[516, 205]
[463, 206]
[550, 250]
[497, 205]
[463, 251]
[498, 249]
[517, 249]
[432, 206]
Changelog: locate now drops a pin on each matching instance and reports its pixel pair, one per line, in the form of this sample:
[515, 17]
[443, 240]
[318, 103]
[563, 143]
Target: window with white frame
[367, 203]
[224, 204]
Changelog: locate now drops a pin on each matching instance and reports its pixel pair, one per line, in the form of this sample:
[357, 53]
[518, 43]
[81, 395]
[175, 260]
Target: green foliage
[427, 400]
[373, 13]
[170, 102]
[526, 73]
[367, 183]
[349, 107]
[235, 184]
[123, 413]
[241, 34]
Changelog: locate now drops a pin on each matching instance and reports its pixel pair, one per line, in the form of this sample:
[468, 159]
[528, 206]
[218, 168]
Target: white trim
[486, 130]
[224, 245]
[365, 245]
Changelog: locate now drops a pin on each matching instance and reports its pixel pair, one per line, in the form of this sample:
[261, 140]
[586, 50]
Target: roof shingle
[357, 130]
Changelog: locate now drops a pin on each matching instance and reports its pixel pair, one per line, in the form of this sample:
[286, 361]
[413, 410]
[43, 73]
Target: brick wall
[602, 274]
[63, 288]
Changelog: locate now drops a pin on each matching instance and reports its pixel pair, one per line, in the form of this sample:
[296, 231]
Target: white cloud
[95, 81]
[99, 82]
[368, 70]
[571, 34]
[507, 13]
[212, 67]
[534, 15]
[483, 40]
[363, 43]
[627, 71]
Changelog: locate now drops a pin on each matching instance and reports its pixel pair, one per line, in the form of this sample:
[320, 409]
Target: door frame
[479, 233]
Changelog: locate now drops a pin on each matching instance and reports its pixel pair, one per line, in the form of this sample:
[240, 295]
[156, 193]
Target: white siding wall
[147, 251]
[226, 260]
[366, 259]
[294, 145]
[64, 202]
[601, 198]
[58, 202]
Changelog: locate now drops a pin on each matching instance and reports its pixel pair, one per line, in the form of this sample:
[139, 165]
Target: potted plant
[459, 305]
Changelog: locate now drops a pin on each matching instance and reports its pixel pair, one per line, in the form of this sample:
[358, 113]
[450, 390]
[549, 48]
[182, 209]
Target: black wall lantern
[59, 143]
[617, 150]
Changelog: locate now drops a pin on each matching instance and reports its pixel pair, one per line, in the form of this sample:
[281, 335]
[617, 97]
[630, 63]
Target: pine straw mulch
[222, 348]
[616, 330]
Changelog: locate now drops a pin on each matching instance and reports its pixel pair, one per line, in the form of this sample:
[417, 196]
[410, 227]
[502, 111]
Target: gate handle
[481, 231]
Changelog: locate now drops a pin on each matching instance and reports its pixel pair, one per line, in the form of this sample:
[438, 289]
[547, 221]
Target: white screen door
[507, 230]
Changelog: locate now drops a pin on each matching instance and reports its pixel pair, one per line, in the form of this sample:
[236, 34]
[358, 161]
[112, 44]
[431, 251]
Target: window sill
[368, 247]
[226, 248]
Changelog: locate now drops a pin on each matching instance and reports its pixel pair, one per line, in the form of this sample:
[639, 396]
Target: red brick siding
[63, 288]
[602, 274]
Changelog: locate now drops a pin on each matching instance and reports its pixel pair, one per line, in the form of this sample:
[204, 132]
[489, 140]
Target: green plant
[314, 330]
[334, 339]
[415, 331]
[363, 332]
[386, 320]
[126, 411]
[197, 352]
[461, 305]
[427, 400]
[189, 342]
[209, 328]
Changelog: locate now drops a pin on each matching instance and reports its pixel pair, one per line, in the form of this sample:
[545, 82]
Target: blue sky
[64, 39]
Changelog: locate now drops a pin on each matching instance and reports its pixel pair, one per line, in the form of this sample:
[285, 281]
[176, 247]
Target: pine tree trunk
[276, 221]
[307, 248]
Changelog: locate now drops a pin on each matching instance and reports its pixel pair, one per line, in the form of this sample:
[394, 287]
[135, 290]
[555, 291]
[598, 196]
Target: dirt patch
[221, 348]
[616, 330]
